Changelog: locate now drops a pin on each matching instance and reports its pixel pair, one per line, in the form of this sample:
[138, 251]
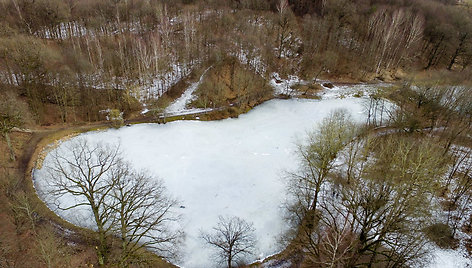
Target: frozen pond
[231, 167]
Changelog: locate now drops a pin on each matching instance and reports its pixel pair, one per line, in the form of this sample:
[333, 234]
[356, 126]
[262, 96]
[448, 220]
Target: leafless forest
[64, 62]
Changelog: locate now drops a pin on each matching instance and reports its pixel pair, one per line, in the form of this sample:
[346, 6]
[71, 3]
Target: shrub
[115, 116]
[441, 235]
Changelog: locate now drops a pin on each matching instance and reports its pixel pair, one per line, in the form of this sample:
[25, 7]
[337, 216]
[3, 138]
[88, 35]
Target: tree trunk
[102, 249]
[12, 152]
[433, 54]
[453, 59]
[373, 257]
[124, 242]
[456, 53]
[229, 262]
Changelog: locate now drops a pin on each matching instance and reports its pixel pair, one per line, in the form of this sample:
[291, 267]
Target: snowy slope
[179, 106]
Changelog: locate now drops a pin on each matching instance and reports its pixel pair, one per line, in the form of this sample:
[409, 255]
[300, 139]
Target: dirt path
[39, 134]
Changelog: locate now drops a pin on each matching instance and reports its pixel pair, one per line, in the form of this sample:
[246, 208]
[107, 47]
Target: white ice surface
[227, 167]
[230, 167]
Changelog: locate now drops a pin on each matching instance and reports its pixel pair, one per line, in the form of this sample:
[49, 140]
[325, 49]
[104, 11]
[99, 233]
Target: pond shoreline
[43, 138]
[267, 119]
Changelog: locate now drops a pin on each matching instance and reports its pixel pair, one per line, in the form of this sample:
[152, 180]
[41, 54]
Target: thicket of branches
[119, 202]
[374, 196]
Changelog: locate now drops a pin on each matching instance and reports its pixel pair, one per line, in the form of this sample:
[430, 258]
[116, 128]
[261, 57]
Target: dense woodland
[83, 56]
[63, 62]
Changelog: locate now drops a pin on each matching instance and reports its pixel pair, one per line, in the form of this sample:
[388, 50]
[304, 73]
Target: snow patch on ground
[283, 86]
[459, 257]
[448, 258]
[145, 109]
[154, 88]
[179, 106]
[348, 90]
[277, 264]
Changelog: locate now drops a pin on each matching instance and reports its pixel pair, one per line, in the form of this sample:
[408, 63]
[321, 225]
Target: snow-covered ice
[231, 167]
[228, 167]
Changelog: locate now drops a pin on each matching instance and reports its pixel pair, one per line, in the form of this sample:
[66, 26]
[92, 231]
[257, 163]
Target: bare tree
[325, 62]
[83, 170]
[459, 186]
[47, 247]
[284, 28]
[392, 36]
[51, 250]
[377, 109]
[334, 242]
[372, 205]
[132, 205]
[390, 199]
[318, 156]
[234, 239]
[25, 212]
[144, 215]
